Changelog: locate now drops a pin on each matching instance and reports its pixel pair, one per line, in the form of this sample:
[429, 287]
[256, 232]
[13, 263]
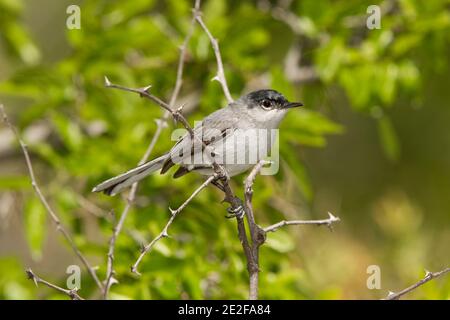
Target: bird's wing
[212, 129]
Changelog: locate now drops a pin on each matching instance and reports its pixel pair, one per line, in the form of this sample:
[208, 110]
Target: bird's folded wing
[210, 131]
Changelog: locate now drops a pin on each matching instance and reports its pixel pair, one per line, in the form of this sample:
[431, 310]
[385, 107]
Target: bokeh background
[372, 145]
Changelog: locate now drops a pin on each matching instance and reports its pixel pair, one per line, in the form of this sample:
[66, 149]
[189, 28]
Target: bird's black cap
[256, 97]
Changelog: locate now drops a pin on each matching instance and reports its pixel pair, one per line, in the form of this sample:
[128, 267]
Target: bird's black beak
[293, 105]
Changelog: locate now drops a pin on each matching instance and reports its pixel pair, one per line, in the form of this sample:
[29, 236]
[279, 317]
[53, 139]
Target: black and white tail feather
[116, 184]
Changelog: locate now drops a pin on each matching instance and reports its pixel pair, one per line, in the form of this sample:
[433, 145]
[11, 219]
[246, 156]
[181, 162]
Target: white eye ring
[266, 105]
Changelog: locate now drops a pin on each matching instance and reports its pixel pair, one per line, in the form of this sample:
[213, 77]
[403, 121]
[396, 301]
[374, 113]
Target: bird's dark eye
[266, 104]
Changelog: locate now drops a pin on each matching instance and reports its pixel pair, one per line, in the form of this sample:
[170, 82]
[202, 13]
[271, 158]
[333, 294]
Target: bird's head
[267, 107]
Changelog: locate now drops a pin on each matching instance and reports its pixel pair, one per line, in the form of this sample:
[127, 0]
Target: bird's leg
[216, 182]
[233, 211]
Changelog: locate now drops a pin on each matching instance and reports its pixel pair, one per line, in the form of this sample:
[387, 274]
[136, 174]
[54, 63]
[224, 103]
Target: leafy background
[372, 145]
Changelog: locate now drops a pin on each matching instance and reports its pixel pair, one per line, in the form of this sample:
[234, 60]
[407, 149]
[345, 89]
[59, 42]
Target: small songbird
[237, 137]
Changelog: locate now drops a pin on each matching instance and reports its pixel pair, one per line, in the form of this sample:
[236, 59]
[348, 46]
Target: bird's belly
[231, 169]
[237, 157]
[237, 153]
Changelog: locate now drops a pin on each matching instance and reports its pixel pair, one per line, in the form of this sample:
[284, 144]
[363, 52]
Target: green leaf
[388, 138]
[69, 131]
[280, 241]
[35, 226]
[388, 76]
[18, 39]
[280, 83]
[14, 182]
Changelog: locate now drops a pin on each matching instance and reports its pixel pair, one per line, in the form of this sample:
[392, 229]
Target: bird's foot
[236, 211]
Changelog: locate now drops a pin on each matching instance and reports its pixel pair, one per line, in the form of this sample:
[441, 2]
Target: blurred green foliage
[97, 133]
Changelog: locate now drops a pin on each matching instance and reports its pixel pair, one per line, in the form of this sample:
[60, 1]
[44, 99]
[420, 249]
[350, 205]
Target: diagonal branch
[428, 277]
[163, 233]
[220, 71]
[73, 294]
[40, 195]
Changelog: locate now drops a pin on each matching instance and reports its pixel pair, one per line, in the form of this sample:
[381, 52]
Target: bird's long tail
[116, 184]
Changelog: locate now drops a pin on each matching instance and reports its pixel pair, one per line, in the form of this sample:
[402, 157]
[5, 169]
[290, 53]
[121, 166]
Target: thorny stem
[164, 232]
[428, 277]
[73, 294]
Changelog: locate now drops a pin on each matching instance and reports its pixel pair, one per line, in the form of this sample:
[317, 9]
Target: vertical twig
[257, 235]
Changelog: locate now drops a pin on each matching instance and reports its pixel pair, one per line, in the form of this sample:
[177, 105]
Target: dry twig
[163, 233]
[220, 71]
[325, 222]
[428, 277]
[73, 294]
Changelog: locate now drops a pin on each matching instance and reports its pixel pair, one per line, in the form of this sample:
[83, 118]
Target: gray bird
[244, 129]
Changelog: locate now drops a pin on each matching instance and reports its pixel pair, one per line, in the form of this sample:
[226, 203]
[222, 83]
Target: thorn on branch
[72, 293]
[107, 82]
[147, 88]
[134, 270]
[164, 233]
[428, 277]
[327, 222]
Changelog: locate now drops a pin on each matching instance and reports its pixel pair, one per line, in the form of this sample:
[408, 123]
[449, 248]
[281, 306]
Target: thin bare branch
[73, 294]
[252, 260]
[220, 71]
[43, 200]
[144, 92]
[174, 214]
[258, 236]
[327, 222]
[428, 277]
